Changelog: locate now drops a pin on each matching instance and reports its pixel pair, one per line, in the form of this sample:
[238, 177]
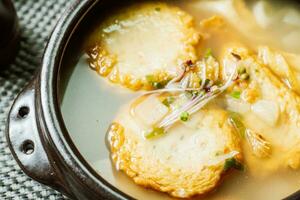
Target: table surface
[37, 18]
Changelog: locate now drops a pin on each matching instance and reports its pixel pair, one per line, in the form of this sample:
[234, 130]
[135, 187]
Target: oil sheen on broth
[259, 38]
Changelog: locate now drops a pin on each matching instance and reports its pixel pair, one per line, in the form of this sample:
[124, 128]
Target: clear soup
[274, 23]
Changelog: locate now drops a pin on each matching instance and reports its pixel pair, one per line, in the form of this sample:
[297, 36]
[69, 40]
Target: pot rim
[48, 98]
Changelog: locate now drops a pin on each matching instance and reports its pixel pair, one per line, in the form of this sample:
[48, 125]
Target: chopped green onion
[196, 92]
[233, 163]
[167, 101]
[218, 153]
[235, 121]
[236, 94]
[150, 78]
[241, 70]
[157, 85]
[155, 133]
[200, 81]
[201, 93]
[164, 82]
[207, 83]
[208, 53]
[184, 116]
[244, 76]
[193, 93]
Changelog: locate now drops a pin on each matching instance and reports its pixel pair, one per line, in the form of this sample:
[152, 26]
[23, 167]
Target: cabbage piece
[267, 111]
[259, 146]
[150, 111]
[237, 105]
[278, 64]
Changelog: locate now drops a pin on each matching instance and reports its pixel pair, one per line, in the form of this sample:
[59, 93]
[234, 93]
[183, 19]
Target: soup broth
[275, 24]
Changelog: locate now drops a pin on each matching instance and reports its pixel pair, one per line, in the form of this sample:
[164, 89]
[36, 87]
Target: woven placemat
[37, 18]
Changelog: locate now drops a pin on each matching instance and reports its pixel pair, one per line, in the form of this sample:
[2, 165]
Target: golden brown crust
[129, 155]
[264, 85]
[107, 60]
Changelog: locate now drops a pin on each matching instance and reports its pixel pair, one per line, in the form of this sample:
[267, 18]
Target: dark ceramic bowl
[36, 132]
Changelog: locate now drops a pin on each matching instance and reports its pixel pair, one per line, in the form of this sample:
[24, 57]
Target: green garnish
[200, 81]
[156, 84]
[208, 53]
[155, 133]
[207, 83]
[241, 70]
[157, 9]
[236, 122]
[184, 116]
[167, 101]
[244, 76]
[236, 94]
[233, 163]
[193, 93]
[161, 84]
[201, 93]
[150, 78]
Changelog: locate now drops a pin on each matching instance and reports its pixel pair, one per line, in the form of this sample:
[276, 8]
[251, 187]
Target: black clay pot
[36, 133]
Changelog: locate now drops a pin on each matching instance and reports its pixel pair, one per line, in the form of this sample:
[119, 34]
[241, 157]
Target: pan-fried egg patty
[142, 41]
[188, 160]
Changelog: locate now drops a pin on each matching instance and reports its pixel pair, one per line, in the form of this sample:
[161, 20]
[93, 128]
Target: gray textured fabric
[37, 19]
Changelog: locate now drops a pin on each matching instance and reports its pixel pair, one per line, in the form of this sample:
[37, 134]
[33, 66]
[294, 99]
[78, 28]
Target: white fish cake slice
[142, 41]
[188, 160]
